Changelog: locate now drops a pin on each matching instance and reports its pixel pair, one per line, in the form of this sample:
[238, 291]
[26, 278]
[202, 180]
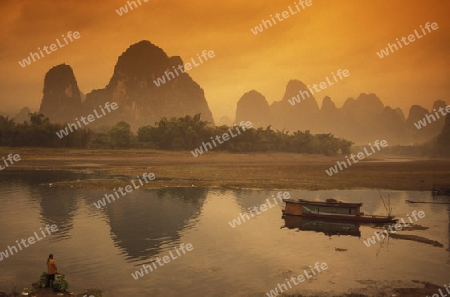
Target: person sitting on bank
[51, 271]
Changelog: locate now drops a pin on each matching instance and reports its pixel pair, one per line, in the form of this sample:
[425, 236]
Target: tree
[120, 135]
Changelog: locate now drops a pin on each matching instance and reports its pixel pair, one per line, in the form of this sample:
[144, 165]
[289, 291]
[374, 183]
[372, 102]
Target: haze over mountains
[361, 120]
[443, 139]
[141, 103]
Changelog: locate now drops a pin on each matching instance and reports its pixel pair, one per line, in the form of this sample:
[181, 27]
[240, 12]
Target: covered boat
[441, 189]
[332, 209]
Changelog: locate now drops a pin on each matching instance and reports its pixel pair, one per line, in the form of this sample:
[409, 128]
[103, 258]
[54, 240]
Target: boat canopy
[318, 203]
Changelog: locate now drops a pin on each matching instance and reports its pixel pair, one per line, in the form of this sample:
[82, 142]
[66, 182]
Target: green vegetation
[42, 280]
[60, 283]
[183, 133]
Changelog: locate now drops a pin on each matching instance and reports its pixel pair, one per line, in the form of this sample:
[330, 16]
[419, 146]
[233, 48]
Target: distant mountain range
[141, 102]
[443, 139]
[362, 120]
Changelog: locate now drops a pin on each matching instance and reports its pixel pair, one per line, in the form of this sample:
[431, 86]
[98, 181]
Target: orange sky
[328, 35]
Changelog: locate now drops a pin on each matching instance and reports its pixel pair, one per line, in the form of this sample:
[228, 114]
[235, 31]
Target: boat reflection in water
[328, 227]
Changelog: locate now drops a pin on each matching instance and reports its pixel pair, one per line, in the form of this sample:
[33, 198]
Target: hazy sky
[308, 46]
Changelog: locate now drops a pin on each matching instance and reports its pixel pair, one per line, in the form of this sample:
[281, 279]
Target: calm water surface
[100, 248]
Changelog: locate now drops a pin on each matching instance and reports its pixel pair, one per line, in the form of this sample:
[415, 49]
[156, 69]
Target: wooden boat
[328, 227]
[441, 189]
[332, 209]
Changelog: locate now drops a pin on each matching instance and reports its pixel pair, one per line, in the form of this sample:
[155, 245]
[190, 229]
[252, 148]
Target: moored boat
[441, 189]
[332, 209]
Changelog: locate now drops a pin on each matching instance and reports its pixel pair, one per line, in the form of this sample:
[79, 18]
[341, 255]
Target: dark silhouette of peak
[400, 113]
[364, 105]
[297, 89]
[142, 98]
[392, 127]
[444, 136]
[328, 105]
[416, 113]
[434, 121]
[370, 100]
[293, 87]
[366, 118]
[59, 75]
[141, 60]
[253, 97]
[330, 118]
[145, 52]
[296, 109]
[361, 120]
[61, 101]
[437, 104]
[253, 107]
[443, 139]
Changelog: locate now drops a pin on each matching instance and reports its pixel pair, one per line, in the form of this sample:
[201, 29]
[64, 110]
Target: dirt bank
[258, 170]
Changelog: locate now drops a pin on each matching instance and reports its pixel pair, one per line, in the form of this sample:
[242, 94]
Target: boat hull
[332, 211]
[441, 189]
[363, 219]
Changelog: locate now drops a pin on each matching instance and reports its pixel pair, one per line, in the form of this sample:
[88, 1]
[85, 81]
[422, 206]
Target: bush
[42, 280]
[60, 283]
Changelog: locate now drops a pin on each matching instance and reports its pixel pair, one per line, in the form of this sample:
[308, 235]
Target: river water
[101, 248]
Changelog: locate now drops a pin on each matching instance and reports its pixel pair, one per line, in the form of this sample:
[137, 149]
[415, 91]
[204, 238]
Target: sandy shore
[217, 169]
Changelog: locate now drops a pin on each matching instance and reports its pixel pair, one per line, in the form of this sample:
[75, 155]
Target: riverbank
[423, 289]
[230, 170]
[47, 292]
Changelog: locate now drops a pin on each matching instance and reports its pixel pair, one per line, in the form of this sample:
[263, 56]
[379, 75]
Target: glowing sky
[308, 46]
